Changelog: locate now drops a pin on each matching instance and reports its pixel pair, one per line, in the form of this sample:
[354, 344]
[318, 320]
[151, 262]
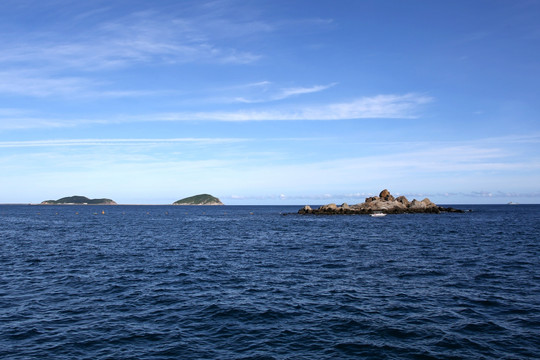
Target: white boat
[378, 214]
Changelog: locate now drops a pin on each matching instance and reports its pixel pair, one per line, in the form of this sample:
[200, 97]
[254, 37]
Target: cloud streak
[29, 83]
[285, 93]
[381, 106]
[36, 84]
[115, 142]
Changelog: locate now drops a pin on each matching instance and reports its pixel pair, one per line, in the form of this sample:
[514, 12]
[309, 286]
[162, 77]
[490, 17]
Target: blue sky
[270, 102]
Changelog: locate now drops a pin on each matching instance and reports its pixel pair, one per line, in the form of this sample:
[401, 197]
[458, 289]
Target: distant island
[78, 200]
[202, 199]
[385, 203]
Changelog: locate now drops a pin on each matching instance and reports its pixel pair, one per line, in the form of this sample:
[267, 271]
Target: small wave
[368, 350]
[487, 327]
[399, 333]
[24, 334]
[455, 342]
[422, 273]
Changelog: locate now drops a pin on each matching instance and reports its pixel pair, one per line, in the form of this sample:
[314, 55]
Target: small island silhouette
[78, 200]
[202, 199]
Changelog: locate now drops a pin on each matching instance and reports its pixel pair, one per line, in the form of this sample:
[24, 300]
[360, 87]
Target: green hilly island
[202, 199]
[78, 200]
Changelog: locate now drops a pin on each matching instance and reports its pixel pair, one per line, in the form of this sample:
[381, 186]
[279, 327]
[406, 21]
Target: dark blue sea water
[164, 282]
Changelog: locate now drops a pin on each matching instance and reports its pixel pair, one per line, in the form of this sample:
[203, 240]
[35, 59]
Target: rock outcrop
[385, 203]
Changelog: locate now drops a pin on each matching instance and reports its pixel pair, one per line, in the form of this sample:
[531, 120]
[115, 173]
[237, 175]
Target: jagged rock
[428, 202]
[306, 210]
[402, 199]
[425, 206]
[386, 196]
[415, 204]
[329, 207]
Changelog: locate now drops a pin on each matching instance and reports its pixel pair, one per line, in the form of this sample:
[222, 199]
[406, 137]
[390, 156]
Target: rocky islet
[384, 203]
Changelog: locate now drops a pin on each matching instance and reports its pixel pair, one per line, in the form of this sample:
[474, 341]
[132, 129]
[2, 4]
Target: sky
[270, 101]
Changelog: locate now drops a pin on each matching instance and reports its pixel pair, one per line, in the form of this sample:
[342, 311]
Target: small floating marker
[102, 212]
[77, 213]
[250, 213]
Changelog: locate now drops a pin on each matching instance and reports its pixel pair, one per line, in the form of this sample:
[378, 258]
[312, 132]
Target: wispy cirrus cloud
[284, 93]
[67, 59]
[37, 84]
[404, 106]
[30, 83]
[117, 49]
[70, 62]
[141, 37]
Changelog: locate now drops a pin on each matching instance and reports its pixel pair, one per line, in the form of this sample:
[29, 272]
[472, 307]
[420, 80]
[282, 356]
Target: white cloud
[380, 106]
[303, 90]
[282, 94]
[29, 83]
[42, 84]
[137, 38]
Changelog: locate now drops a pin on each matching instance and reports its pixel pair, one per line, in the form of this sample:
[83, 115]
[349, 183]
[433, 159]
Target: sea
[261, 282]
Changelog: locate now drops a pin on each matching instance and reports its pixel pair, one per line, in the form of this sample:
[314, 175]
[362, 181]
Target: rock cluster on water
[384, 203]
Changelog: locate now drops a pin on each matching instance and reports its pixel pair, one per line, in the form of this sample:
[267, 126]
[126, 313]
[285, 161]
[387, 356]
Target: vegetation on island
[202, 199]
[78, 200]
